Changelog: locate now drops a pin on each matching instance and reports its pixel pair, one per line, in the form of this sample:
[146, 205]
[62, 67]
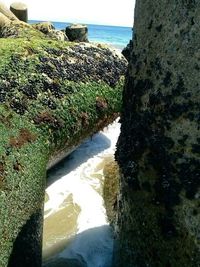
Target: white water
[76, 225]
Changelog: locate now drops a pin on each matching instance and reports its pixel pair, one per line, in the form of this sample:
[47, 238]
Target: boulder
[49, 29]
[53, 95]
[77, 33]
[17, 28]
[4, 22]
[158, 148]
[20, 10]
[126, 52]
[44, 27]
[58, 35]
[5, 11]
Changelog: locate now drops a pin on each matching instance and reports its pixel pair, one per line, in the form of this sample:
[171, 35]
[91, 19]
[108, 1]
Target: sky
[104, 12]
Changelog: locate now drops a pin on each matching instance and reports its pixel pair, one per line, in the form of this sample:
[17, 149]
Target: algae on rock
[111, 189]
[158, 149]
[52, 95]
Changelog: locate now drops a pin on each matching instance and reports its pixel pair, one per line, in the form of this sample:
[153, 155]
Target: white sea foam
[81, 176]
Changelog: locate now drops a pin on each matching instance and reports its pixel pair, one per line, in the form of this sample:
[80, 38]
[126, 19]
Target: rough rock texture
[126, 52]
[159, 146]
[52, 96]
[77, 33]
[16, 28]
[45, 27]
[49, 29]
[111, 189]
[20, 10]
[4, 21]
[58, 35]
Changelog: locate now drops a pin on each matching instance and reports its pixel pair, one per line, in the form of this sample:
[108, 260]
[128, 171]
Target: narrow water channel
[76, 230]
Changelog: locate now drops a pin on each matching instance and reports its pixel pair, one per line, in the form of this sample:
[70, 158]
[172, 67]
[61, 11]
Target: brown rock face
[159, 146]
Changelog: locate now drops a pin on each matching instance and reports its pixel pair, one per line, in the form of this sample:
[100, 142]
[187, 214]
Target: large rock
[17, 28]
[44, 27]
[57, 35]
[20, 10]
[77, 33]
[159, 145]
[52, 96]
[49, 29]
[126, 52]
[6, 12]
[4, 22]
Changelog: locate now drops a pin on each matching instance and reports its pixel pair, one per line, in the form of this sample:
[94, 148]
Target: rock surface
[52, 96]
[159, 146]
[48, 29]
[6, 12]
[58, 35]
[4, 22]
[126, 52]
[20, 10]
[77, 33]
[44, 27]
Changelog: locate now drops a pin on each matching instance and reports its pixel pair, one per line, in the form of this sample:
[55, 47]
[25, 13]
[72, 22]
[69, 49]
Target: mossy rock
[111, 189]
[52, 96]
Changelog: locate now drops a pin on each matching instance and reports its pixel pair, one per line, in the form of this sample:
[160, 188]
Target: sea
[76, 228]
[116, 36]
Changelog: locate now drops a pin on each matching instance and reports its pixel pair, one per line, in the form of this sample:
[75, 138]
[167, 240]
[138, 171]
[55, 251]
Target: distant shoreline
[114, 36]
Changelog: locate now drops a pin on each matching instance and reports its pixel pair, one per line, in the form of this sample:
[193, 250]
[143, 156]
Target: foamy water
[76, 231]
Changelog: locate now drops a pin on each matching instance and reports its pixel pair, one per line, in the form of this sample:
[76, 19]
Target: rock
[44, 27]
[126, 52]
[17, 28]
[4, 22]
[111, 189]
[58, 35]
[20, 10]
[158, 149]
[77, 33]
[5, 11]
[49, 29]
[48, 90]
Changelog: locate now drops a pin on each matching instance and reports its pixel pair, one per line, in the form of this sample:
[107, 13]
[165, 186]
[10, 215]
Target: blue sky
[105, 12]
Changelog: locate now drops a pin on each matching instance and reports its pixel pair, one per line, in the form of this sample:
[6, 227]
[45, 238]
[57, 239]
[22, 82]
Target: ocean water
[115, 36]
[76, 229]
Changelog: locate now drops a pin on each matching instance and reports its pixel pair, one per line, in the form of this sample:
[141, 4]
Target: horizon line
[89, 23]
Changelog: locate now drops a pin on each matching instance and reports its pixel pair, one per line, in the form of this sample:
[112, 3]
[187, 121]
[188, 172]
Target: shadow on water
[89, 148]
[91, 248]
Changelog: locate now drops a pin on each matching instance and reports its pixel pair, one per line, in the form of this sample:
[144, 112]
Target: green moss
[46, 107]
[111, 189]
